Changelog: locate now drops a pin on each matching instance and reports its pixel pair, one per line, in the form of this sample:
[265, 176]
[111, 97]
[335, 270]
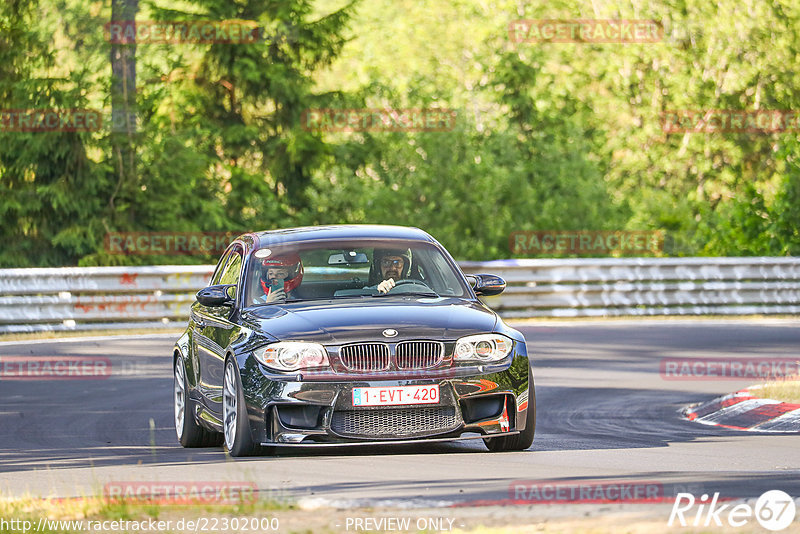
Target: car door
[214, 333]
[198, 315]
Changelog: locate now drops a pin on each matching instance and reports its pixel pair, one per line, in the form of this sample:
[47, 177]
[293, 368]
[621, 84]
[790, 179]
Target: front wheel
[523, 440]
[238, 439]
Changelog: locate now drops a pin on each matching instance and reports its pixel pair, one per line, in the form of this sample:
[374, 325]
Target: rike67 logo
[774, 510]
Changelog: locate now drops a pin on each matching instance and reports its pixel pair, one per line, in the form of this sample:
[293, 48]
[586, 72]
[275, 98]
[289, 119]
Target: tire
[190, 434]
[238, 439]
[523, 440]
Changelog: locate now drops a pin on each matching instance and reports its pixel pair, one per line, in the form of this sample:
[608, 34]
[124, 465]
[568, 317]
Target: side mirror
[486, 284]
[219, 295]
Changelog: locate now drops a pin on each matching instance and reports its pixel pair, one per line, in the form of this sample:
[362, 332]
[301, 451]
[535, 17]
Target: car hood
[346, 321]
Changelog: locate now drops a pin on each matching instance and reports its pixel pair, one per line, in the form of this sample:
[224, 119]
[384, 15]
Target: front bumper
[416, 441]
[475, 402]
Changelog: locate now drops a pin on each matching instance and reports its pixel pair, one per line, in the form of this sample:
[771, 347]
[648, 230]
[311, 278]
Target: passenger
[287, 268]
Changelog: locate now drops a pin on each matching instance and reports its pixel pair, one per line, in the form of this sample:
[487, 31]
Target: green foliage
[549, 136]
[50, 188]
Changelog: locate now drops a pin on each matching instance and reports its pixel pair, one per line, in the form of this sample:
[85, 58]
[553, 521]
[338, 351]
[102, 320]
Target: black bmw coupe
[348, 335]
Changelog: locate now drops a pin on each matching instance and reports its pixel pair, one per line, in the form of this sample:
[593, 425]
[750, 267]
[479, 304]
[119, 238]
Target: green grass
[98, 509]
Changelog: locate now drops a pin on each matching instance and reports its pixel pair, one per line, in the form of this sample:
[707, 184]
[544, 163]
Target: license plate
[396, 395]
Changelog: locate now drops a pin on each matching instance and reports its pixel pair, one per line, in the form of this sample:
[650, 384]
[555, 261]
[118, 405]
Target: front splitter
[390, 442]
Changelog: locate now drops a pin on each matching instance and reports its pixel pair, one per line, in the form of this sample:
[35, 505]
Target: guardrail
[644, 286]
[98, 298]
[156, 297]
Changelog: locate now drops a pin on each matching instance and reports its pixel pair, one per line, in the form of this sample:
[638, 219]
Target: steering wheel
[409, 281]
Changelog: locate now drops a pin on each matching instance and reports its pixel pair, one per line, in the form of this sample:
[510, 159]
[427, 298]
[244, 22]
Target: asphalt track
[604, 413]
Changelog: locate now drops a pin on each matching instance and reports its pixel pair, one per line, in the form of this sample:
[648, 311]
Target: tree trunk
[123, 103]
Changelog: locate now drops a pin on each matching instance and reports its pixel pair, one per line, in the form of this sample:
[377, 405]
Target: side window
[220, 267]
[233, 270]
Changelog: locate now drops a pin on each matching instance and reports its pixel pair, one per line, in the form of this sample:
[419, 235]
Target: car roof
[340, 232]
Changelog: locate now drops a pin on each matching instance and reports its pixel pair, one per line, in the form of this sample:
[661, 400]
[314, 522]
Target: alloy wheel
[180, 397]
[229, 405]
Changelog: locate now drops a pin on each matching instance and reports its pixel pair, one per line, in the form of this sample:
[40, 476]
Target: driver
[389, 266]
[287, 268]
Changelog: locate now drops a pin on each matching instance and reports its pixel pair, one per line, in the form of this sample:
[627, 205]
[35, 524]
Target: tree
[50, 189]
[123, 103]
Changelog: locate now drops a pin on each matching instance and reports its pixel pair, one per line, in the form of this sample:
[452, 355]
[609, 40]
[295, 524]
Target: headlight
[292, 355]
[482, 348]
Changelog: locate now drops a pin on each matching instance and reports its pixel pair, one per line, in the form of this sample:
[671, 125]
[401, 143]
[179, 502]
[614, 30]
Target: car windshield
[350, 270]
